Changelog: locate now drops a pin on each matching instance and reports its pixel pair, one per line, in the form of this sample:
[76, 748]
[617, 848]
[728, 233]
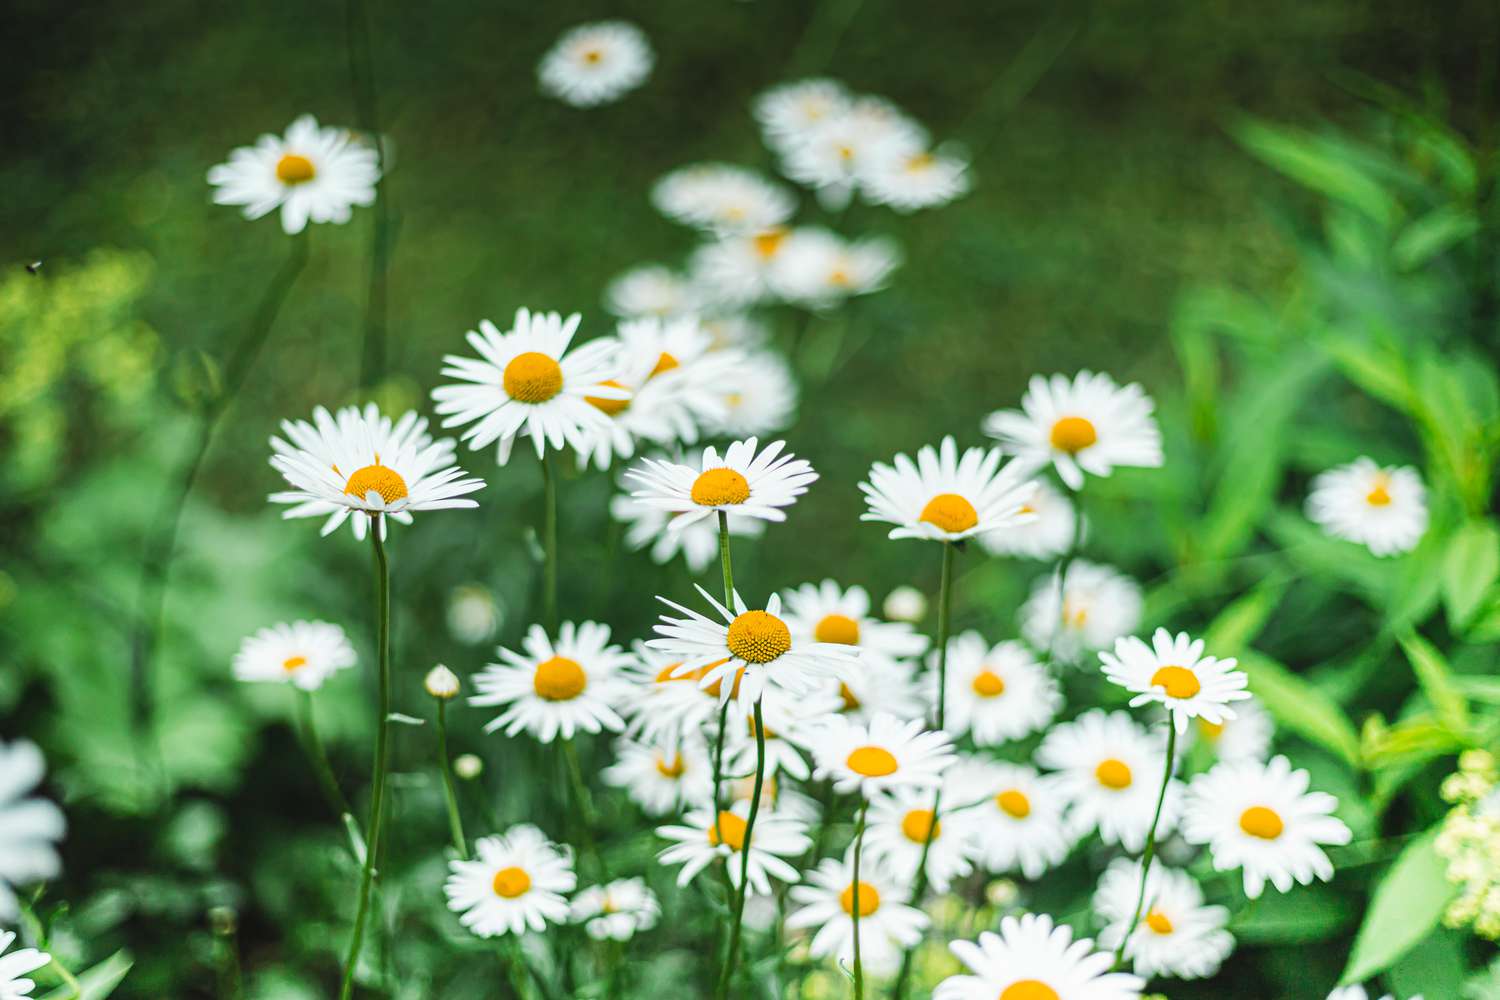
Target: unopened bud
[905, 604]
[467, 766]
[441, 682]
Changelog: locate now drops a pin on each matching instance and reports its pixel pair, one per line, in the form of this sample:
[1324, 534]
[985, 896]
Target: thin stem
[585, 802]
[859, 843]
[70, 980]
[549, 545]
[1150, 852]
[450, 794]
[733, 954]
[312, 745]
[382, 726]
[727, 567]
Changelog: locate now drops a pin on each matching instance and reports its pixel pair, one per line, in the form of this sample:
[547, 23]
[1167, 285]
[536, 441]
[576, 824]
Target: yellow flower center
[511, 882]
[1028, 989]
[1073, 434]
[768, 242]
[850, 701]
[292, 169]
[592, 56]
[839, 278]
[950, 512]
[664, 363]
[609, 406]
[1259, 821]
[1113, 773]
[718, 487]
[559, 679]
[733, 829]
[382, 479]
[758, 637]
[1179, 682]
[1210, 730]
[672, 768]
[1159, 922]
[837, 628]
[293, 662]
[1013, 802]
[869, 899]
[532, 377]
[916, 823]
[872, 762]
[1075, 615]
[988, 684]
[1380, 493]
[920, 162]
[665, 673]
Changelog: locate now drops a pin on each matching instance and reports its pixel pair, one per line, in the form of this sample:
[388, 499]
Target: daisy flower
[739, 269]
[663, 705]
[595, 64]
[908, 179]
[357, 465]
[763, 400]
[997, 693]
[788, 113]
[515, 883]
[1017, 816]
[737, 329]
[1177, 935]
[472, 614]
[647, 527]
[13, 968]
[897, 829]
[775, 797]
[788, 732]
[1247, 736]
[1381, 508]
[650, 290]
[706, 838]
[887, 926]
[722, 198]
[831, 156]
[1094, 606]
[526, 381]
[744, 481]
[1087, 425]
[29, 828]
[1109, 769]
[1048, 534]
[826, 612]
[1261, 818]
[886, 755]
[751, 649]
[661, 778]
[616, 911]
[1174, 672]
[555, 688]
[303, 653]
[905, 604]
[1031, 959]
[312, 174]
[944, 498]
[868, 689]
[819, 269]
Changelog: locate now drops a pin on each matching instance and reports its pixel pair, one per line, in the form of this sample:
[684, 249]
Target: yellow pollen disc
[1179, 682]
[1014, 803]
[609, 406]
[950, 512]
[837, 628]
[382, 479]
[665, 363]
[1380, 494]
[768, 242]
[1073, 434]
[532, 377]
[733, 828]
[850, 701]
[758, 637]
[718, 487]
[988, 684]
[1029, 989]
[559, 679]
[293, 662]
[840, 277]
[672, 768]
[511, 882]
[592, 56]
[665, 674]
[1258, 821]
[1158, 922]
[869, 899]
[920, 162]
[1113, 773]
[915, 824]
[1211, 730]
[294, 169]
[1076, 616]
[872, 762]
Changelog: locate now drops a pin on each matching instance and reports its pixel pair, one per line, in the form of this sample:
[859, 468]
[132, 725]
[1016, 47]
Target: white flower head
[908, 179]
[832, 156]
[905, 604]
[555, 688]
[944, 498]
[996, 693]
[705, 837]
[1018, 816]
[472, 613]
[1048, 534]
[302, 653]
[648, 526]
[313, 174]
[739, 268]
[595, 64]
[790, 112]
[1247, 736]
[1174, 672]
[14, 985]
[875, 687]
[661, 705]
[1034, 959]
[650, 290]
[791, 725]
[30, 828]
[515, 883]
[1093, 606]
[900, 824]
[818, 269]
[1383, 509]
[747, 480]
[826, 612]
[722, 198]
[763, 399]
[660, 777]
[1177, 934]
[828, 899]
[616, 911]
[885, 755]
[1357, 992]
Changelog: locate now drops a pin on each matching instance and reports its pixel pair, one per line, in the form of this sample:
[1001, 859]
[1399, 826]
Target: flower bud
[905, 604]
[441, 682]
[467, 766]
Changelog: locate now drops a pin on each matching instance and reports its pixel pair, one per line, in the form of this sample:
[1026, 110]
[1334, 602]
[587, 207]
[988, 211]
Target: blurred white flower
[661, 777]
[763, 399]
[1177, 934]
[596, 63]
[819, 269]
[900, 825]
[886, 755]
[722, 198]
[905, 604]
[1093, 607]
[910, 179]
[616, 911]
[1047, 535]
[996, 693]
[302, 653]
[831, 156]
[1017, 816]
[312, 174]
[1033, 959]
[29, 829]
[705, 837]
[14, 966]
[472, 614]
[441, 682]
[827, 612]
[650, 290]
[468, 766]
[1383, 509]
[787, 113]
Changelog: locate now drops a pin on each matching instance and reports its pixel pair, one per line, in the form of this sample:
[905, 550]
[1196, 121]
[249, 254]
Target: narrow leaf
[1301, 707]
[1436, 680]
[1405, 908]
[97, 982]
[1470, 566]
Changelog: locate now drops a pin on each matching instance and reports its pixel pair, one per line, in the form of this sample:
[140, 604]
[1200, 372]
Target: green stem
[549, 546]
[312, 745]
[859, 843]
[382, 726]
[732, 957]
[1150, 852]
[726, 566]
[450, 794]
[585, 802]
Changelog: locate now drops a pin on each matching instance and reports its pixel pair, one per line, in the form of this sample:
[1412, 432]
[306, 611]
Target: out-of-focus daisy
[30, 827]
[944, 498]
[788, 732]
[1049, 533]
[595, 64]
[1261, 818]
[1084, 425]
[1174, 672]
[472, 614]
[886, 755]
[704, 838]
[312, 174]
[763, 399]
[826, 901]
[1177, 935]
[660, 777]
[722, 198]
[616, 911]
[650, 290]
[739, 269]
[911, 179]
[1094, 606]
[899, 825]
[515, 883]
[302, 653]
[819, 269]
[905, 604]
[357, 465]
[787, 113]
[747, 480]
[1018, 819]
[647, 528]
[832, 156]
[868, 689]
[1110, 768]
[665, 705]
[1247, 736]
[826, 612]
[776, 797]
[738, 330]
[526, 381]
[996, 693]
[14, 966]
[1031, 959]
[1381, 508]
[552, 688]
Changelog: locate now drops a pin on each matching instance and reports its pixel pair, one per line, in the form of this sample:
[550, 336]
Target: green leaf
[1378, 369]
[1432, 234]
[1317, 163]
[1238, 625]
[1436, 679]
[1307, 913]
[1470, 566]
[1405, 908]
[1301, 707]
[97, 982]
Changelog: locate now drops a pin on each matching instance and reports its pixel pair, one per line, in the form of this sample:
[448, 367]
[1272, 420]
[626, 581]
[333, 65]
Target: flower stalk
[1150, 852]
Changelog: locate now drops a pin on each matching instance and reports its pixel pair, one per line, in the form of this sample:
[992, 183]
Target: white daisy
[1381, 508]
[944, 498]
[1047, 535]
[616, 911]
[739, 269]
[555, 688]
[526, 381]
[357, 462]
[997, 693]
[1096, 606]
[1261, 818]
[312, 174]
[1247, 736]
[826, 612]
[704, 839]
[1017, 815]
[898, 826]
[1110, 768]
[650, 290]
[886, 755]
[13, 968]
[871, 688]
[831, 156]
[738, 330]
[1174, 672]
[647, 527]
[819, 269]
[1031, 959]
[663, 706]
[911, 179]
[1086, 425]
[776, 798]
[515, 883]
[744, 481]
[595, 64]
[29, 827]
[789, 112]
[303, 653]
[790, 723]
[661, 778]
[722, 198]
[763, 399]
[826, 901]
[1177, 935]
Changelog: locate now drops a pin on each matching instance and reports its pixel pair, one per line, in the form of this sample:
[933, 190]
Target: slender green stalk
[1150, 852]
[70, 980]
[38, 931]
[382, 727]
[726, 566]
[549, 545]
[312, 745]
[732, 957]
[450, 794]
[585, 802]
[859, 844]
